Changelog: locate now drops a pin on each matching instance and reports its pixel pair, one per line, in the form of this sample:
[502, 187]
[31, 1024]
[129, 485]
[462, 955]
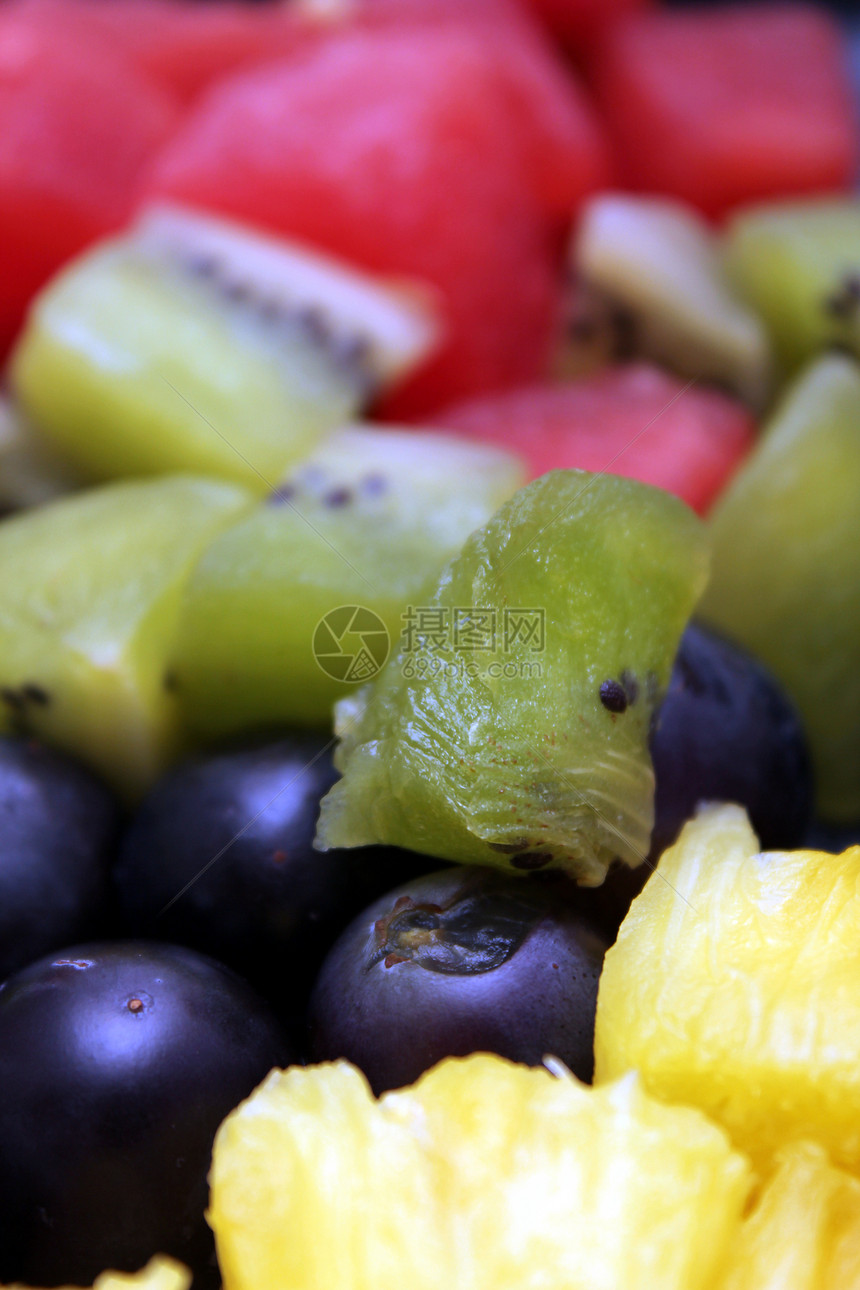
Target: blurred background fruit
[91, 592]
[785, 577]
[633, 420]
[193, 344]
[729, 105]
[357, 533]
[78, 122]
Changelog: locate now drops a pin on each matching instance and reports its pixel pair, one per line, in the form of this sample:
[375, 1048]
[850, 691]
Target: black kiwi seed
[624, 330]
[312, 322]
[374, 485]
[238, 292]
[613, 696]
[34, 693]
[355, 351]
[582, 329]
[352, 352]
[204, 266]
[270, 310]
[845, 302]
[338, 497]
[531, 860]
[281, 496]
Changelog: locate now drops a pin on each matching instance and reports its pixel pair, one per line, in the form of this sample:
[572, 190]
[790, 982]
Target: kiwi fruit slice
[30, 473]
[786, 568]
[281, 607]
[91, 592]
[798, 264]
[517, 735]
[646, 280]
[191, 344]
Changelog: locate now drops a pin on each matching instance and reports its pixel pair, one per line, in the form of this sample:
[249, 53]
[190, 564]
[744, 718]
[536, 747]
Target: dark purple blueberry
[456, 962]
[117, 1064]
[220, 857]
[726, 732]
[608, 904]
[58, 829]
[834, 838]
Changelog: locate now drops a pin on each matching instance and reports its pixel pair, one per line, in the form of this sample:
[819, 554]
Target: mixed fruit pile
[429, 646]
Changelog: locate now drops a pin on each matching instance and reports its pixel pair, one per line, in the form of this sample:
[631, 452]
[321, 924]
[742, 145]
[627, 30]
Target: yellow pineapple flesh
[804, 1233]
[734, 986]
[160, 1274]
[484, 1175]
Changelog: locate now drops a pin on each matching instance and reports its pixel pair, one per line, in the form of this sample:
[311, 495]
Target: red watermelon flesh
[722, 107]
[567, 151]
[385, 12]
[403, 157]
[76, 126]
[634, 420]
[577, 23]
[183, 44]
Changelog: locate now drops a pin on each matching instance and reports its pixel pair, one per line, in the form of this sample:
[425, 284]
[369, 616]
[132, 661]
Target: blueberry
[725, 732]
[834, 838]
[117, 1064]
[58, 827]
[457, 962]
[220, 857]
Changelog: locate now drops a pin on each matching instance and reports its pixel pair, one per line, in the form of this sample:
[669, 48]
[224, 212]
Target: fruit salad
[429, 645]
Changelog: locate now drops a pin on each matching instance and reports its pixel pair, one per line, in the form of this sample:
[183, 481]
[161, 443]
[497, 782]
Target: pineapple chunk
[733, 986]
[484, 1176]
[160, 1274]
[804, 1233]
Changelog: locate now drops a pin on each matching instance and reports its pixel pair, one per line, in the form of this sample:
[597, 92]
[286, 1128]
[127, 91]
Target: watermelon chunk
[729, 105]
[181, 44]
[568, 154]
[402, 156]
[634, 420]
[577, 23]
[77, 123]
[370, 13]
